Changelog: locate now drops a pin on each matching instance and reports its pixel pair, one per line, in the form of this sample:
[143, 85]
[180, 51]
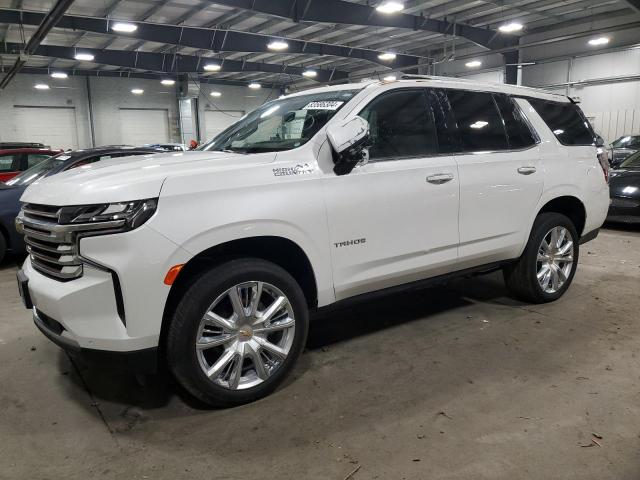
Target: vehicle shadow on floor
[337, 324]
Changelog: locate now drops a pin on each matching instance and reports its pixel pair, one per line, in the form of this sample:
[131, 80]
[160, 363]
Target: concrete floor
[449, 382]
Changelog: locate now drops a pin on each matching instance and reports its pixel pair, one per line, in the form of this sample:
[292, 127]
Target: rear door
[395, 219]
[501, 178]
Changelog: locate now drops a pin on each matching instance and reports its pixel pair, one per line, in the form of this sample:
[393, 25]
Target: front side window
[518, 132]
[479, 123]
[565, 120]
[281, 124]
[400, 125]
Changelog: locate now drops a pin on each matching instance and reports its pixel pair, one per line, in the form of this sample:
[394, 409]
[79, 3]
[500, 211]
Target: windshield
[282, 124]
[628, 141]
[37, 171]
[632, 161]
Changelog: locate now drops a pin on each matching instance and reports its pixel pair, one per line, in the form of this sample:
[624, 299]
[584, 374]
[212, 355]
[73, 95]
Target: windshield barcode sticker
[327, 105]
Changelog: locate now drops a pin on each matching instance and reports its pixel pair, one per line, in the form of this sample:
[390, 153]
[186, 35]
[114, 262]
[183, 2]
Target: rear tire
[548, 264]
[237, 332]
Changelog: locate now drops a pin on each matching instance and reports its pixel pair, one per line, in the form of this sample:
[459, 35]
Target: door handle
[526, 170]
[440, 178]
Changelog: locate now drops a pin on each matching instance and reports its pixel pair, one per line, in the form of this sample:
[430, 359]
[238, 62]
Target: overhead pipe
[49, 21]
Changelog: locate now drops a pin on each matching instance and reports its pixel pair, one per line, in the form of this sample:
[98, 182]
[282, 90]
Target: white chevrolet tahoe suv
[209, 262]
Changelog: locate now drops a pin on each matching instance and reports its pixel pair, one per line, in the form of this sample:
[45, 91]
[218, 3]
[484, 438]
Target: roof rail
[409, 76]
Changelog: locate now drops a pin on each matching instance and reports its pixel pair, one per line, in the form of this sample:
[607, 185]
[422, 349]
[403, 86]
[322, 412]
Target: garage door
[142, 126]
[216, 121]
[55, 126]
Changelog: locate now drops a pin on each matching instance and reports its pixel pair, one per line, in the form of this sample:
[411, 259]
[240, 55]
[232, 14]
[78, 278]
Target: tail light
[603, 158]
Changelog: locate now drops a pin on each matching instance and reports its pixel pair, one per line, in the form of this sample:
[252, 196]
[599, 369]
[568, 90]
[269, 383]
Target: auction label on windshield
[326, 105]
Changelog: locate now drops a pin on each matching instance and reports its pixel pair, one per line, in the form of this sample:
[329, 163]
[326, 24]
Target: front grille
[51, 246]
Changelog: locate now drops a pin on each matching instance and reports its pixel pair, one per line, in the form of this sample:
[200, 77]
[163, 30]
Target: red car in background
[16, 160]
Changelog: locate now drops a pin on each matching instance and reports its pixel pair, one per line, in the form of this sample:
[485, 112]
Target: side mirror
[349, 141]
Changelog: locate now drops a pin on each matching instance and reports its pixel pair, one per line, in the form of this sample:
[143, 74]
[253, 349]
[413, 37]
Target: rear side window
[8, 163]
[565, 120]
[479, 122]
[519, 133]
[400, 125]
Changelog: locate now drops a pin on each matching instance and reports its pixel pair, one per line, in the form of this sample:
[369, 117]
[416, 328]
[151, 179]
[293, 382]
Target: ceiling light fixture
[510, 27]
[124, 27]
[599, 41]
[168, 81]
[84, 57]
[387, 56]
[212, 67]
[216, 94]
[137, 91]
[310, 73]
[390, 7]
[473, 63]
[41, 86]
[255, 86]
[59, 75]
[278, 45]
[390, 78]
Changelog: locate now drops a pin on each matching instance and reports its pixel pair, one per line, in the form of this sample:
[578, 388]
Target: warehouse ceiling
[232, 40]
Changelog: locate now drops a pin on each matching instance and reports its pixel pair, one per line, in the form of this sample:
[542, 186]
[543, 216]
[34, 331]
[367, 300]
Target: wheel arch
[569, 206]
[279, 250]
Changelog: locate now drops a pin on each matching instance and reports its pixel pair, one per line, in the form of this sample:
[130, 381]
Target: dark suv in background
[622, 148]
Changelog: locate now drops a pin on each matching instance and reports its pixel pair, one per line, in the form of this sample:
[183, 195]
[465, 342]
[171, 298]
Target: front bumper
[137, 361]
[117, 304]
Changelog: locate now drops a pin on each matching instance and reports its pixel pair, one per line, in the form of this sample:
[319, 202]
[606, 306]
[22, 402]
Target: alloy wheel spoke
[256, 293]
[217, 368]
[553, 243]
[276, 326]
[215, 320]
[236, 371]
[236, 302]
[543, 271]
[271, 310]
[271, 347]
[566, 248]
[258, 362]
[205, 343]
[561, 234]
[544, 246]
[542, 257]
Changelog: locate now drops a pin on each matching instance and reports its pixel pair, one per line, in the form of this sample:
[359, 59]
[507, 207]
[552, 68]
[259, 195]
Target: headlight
[120, 216]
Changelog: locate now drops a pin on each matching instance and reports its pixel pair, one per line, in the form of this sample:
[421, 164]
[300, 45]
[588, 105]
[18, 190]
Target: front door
[395, 219]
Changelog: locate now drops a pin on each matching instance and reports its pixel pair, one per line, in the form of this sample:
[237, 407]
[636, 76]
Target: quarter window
[479, 122]
[401, 125]
[518, 132]
[35, 158]
[565, 120]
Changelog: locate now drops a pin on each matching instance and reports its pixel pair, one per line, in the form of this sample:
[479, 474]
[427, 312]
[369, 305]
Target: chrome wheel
[555, 259]
[245, 335]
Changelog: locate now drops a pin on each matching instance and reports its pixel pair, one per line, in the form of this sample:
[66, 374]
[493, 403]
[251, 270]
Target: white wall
[62, 93]
[109, 95]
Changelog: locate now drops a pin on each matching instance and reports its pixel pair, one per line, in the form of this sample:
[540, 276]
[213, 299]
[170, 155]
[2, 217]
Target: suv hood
[131, 178]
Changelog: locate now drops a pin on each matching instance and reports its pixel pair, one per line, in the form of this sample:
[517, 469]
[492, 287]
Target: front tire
[3, 247]
[237, 332]
[548, 264]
